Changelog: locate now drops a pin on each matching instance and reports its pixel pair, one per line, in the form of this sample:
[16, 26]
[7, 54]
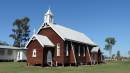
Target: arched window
[58, 49]
[34, 53]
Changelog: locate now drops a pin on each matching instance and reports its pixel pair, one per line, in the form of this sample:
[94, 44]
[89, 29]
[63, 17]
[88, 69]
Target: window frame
[2, 52]
[9, 52]
[34, 53]
[58, 49]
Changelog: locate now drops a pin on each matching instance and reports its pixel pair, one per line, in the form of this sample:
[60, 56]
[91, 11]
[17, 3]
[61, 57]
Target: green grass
[20, 67]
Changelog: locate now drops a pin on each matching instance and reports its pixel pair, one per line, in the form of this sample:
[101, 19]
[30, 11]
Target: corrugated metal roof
[9, 47]
[95, 49]
[43, 40]
[67, 33]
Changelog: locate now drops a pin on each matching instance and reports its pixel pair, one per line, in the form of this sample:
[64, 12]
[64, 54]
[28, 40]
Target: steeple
[48, 18]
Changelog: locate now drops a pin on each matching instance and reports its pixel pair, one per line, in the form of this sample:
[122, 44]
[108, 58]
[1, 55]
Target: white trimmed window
[34, 53]
[79, 51]
[58, 49]
[2, 51]
[67, 50]
[10, 52]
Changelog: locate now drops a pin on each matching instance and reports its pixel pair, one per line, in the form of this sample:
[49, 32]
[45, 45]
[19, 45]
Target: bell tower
[48, 18]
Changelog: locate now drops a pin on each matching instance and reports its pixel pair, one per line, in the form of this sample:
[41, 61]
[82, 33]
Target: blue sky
[98, 19]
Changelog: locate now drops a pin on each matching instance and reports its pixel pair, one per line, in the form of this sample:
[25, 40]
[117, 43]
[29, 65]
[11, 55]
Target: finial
[48, 18]
[49, 8]
[49, 12]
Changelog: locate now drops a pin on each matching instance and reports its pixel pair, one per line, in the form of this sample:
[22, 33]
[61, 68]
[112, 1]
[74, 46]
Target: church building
[56, 45]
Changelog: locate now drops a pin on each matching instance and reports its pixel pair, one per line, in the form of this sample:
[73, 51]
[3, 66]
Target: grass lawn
[20, 67]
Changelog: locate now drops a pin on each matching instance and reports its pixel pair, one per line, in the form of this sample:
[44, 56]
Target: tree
[110, 41]
[129, 53]
[113, 56]
[118, 55]
[20, 32]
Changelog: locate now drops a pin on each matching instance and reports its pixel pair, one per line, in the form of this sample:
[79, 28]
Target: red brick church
[56, 45]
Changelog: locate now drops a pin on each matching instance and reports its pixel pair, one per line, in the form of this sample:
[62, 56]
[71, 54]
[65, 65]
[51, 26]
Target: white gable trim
[49, 24]
[50, 44]
[34, 53]
[56, 31]
[29, 41]
[52, 26]
[34, 34]
[39, 41]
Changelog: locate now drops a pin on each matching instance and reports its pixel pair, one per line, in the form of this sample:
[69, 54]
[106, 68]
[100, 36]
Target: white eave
[67, 33]
[95, 49]
[43, 40]
[10, 47]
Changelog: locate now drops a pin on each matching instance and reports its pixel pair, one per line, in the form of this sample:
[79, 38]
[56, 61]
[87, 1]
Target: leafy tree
[110, 41]
[129, 53]
[113, 56]
[118, 55]
[20, 32]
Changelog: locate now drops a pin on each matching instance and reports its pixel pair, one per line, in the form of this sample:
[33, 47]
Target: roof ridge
[68, 33]
[69, 28]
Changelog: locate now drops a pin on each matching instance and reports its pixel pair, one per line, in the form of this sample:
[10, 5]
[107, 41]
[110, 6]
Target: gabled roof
[69, 34]
[65, 33]
[95, 49]
[43, 40]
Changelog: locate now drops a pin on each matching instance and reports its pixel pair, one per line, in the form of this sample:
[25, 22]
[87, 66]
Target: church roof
[95, 49]
[43, 40]
[70, 34]
[11, 47]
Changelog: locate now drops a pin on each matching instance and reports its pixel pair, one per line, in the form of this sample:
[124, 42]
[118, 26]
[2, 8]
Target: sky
[98, 19]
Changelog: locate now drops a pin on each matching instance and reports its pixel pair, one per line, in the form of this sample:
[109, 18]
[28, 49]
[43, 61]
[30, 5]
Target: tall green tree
[20, 32]
[110, 41]
[118, 55]
[129, 53]
[113, 56]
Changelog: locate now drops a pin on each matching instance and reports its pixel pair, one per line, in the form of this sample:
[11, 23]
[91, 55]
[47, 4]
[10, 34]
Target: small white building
[10, 53]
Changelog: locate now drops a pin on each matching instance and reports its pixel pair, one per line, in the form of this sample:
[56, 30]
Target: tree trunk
[110, 53]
